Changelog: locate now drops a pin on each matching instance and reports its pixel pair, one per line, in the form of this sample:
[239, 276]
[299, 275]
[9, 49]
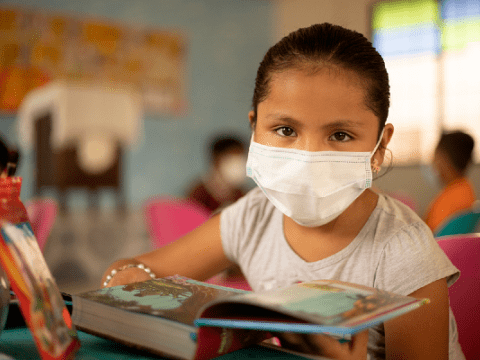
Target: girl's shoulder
[405, 245]
[251, 211]
[392, 210]
[243, 223]
[395, 219]
[254, 203]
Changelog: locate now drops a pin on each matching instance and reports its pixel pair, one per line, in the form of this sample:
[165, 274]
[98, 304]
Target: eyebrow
[284, 119]
[344, 124]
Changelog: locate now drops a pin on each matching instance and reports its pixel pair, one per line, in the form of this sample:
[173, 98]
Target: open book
[183, 318]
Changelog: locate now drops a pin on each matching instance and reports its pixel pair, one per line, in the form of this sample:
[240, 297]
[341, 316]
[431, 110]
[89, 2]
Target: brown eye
[340, 136]
[285, 131]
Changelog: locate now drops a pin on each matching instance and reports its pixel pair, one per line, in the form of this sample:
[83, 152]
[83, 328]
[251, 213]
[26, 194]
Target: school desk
[18, 343]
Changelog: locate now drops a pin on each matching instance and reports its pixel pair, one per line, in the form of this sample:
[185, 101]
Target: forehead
[326, 93]
[328, 77]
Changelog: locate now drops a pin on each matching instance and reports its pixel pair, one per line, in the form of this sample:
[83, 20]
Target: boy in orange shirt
[452, 158]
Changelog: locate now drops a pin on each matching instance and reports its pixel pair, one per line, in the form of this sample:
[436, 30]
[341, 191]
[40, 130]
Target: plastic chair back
[405, 198]
[229, 280]
[42, 214]
[169, 218]
[464, 252]
[463, 223]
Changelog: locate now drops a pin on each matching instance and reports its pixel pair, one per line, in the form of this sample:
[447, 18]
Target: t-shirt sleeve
[229, 227]
[236, 221]
[242, 225]
[412, 259]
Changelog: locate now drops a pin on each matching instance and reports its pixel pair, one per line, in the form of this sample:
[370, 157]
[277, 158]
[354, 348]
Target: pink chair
[405, 198]
[464, 252]
[42, 214]
[168, 218]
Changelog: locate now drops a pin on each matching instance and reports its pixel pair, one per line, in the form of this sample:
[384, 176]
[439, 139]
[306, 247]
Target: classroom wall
[290, 15]
[226, 41]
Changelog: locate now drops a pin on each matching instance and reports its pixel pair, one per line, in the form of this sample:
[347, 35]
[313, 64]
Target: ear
[379, 155]
[251, 118]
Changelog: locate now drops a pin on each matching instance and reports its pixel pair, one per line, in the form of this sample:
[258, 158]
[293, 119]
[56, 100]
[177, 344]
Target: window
[431, 49]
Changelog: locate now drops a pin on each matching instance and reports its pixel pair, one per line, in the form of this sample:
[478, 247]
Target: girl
[319, 114]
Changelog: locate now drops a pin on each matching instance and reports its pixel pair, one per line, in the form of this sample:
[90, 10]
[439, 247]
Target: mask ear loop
[375, 167]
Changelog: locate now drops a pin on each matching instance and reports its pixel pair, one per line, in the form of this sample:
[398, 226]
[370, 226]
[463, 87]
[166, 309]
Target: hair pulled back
[323, 45]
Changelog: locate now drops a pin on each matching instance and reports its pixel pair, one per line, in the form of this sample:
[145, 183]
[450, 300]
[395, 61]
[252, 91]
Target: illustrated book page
[159, 315]
[321, 306]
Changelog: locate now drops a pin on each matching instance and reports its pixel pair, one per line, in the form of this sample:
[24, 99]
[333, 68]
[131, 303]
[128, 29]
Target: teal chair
[463, 223]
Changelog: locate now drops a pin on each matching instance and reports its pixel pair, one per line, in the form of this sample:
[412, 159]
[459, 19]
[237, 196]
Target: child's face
[321, 112]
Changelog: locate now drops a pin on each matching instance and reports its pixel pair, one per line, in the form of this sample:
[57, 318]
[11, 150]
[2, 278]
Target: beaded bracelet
[140, 266]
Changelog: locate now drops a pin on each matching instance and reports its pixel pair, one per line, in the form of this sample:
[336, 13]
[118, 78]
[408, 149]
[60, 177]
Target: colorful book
[187, 319]
[40, 300]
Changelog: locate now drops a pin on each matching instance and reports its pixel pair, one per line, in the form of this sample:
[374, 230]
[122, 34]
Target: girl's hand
[126, 276]
[327, 346]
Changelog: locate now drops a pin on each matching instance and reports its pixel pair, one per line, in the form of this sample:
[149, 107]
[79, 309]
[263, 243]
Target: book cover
[158, 315]
[40, 301]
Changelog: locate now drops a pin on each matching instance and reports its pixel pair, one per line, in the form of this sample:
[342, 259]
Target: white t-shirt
[395, 251]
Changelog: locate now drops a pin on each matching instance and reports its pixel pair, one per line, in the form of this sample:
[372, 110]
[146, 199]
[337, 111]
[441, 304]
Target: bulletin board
[36, 48]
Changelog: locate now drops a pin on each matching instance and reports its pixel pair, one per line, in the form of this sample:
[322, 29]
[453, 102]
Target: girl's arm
[324, 345]
[423, 333]
[198, 255]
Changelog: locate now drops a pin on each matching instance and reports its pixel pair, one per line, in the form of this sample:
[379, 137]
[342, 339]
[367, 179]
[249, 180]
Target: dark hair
[322, 45]
[458, 147]
[9, 158]
[224, 143]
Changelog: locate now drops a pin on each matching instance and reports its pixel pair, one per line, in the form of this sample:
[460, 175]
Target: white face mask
[311, 188]
[232, 169]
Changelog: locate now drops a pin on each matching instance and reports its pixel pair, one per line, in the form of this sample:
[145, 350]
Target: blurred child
[222, 185]
[320, 106]
[452, 159]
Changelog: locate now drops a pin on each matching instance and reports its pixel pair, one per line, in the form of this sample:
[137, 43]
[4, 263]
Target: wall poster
[38, 47]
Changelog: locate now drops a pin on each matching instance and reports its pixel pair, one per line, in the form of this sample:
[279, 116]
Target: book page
[325, 302]
[174, 298]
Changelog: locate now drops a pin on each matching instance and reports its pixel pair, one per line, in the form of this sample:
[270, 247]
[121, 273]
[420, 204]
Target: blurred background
[113, 103]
